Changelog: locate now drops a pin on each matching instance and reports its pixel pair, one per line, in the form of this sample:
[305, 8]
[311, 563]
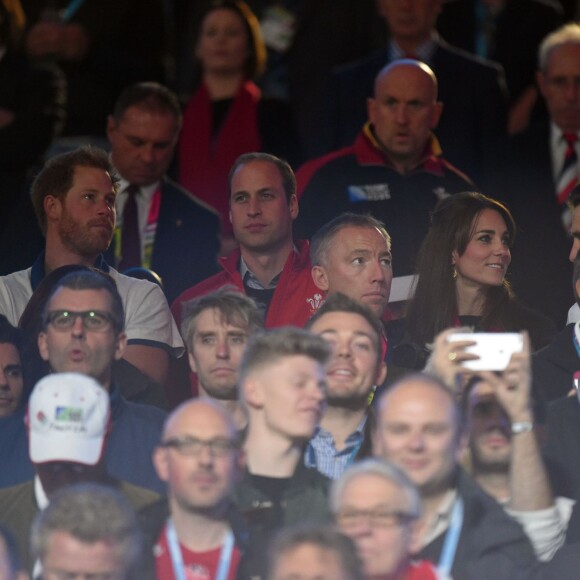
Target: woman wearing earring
[462, 269]
[227, 115]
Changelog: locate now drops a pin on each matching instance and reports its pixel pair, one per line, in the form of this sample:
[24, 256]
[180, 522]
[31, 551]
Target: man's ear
[415, 536]
[253, 392]
[192, 364]
[111, 126]
[52, 208]
[381, 374]
[43, 346]
[293, 205]
[121, 346]
[437, 111]
[320, 277]
[159, 458]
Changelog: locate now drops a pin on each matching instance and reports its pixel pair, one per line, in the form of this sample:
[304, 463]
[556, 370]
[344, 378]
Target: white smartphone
[494, 349]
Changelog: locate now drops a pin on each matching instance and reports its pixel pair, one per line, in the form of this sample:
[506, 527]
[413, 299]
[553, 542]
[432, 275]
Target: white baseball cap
[68, 419]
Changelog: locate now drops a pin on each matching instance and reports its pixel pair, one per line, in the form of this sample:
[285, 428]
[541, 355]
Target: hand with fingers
[513, 386]
[447, 358]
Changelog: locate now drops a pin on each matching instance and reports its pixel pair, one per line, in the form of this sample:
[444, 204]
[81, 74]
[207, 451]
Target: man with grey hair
[351, 254]
[541, 170]
[87, 531]
[378, 507]
[394, 170]
[216, 328]
[313, 552]
[269, 265]
[283, 386]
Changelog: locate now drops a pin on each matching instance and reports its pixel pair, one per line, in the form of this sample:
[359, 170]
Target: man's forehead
[197, 420]
[342, 321]
[377, 482]
[352, 236]
[405, 78]
[564, 59]
[97, 298]
[418, 396]
[263, 175]
[214, 319]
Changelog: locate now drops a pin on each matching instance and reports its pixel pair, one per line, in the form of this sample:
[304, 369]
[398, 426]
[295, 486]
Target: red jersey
[198, 565]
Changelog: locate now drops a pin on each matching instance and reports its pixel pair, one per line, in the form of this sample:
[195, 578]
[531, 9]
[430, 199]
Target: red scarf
[203, 165]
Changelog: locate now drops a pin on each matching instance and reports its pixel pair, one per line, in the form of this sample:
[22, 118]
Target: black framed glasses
[95, 320]
[192, 446]
[377, 518]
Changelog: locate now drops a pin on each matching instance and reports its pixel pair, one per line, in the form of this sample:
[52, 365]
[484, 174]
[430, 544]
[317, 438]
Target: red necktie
[568, 176]
[130, 236]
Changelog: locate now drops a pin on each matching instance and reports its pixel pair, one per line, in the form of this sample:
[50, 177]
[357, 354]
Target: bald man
[196, 527]
[394, 171]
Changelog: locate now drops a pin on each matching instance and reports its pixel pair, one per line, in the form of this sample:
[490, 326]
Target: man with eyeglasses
[196, 531]
[67, 421]
[83, 331]
[11, 380]
[378, 507]
[462, 529]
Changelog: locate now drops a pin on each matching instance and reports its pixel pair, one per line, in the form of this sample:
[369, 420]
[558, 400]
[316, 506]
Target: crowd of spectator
[237, 244]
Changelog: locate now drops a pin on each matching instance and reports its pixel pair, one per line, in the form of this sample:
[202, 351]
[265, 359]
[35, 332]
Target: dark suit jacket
[563, 446]
[472, 90]
[540, 271]
[519, 29]
[186, 242]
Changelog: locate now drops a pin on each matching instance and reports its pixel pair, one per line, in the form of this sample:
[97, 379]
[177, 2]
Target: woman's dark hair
[256, 61]
[434, 304]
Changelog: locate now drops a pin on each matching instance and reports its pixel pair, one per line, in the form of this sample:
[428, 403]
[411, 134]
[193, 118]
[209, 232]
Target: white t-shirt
[147, 315]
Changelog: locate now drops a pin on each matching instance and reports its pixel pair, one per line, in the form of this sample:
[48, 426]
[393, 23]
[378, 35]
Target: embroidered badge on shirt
[315, 302]
[371, 192]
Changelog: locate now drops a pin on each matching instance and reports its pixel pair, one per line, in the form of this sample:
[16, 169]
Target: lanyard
[223, 567]
[451, 539]
[148, 234]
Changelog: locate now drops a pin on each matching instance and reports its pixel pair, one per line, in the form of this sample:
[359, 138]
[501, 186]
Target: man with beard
[355, 369]
[74, 200]
[216, 328]
[269, 266]
[196, 531]
[506, 463]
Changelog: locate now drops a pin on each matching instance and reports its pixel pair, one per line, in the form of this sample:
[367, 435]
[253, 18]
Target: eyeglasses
[192, 446]
[94, 320]
[377, 518]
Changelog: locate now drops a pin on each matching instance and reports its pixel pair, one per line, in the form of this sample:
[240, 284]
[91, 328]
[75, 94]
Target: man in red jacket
[269, 266]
